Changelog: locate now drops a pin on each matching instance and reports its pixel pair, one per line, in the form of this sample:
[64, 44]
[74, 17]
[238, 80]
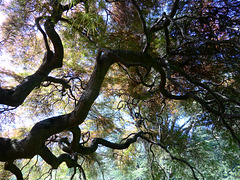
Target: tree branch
[96, 141]
[63, 82]
[158, 67]
[13, 169]
[15, 97]
[144, 26]
[159, 24]
[174, 157]
[41, 30]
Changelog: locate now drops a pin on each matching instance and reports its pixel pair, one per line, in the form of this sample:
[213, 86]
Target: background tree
[166, 75]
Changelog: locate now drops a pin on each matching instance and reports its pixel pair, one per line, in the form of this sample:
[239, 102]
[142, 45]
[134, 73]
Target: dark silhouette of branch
[35, 142]
[164, 22]
[96, 141]
[63, 82]
[144, 26]
[193, 169]
[16, 96]
[41, 30]
[13, 169]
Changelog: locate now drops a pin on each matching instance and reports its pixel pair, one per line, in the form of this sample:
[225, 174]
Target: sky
[4, 58]
[5, 62]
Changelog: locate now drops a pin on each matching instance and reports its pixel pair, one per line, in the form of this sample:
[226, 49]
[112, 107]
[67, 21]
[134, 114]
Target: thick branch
[54, 161]
[15, 97]
[43, 33]
[128, 58]
[63, 82]
[96, 141]
[13, 169]
[158, 67]
[41, 131]
[57, 44]
[34, 143]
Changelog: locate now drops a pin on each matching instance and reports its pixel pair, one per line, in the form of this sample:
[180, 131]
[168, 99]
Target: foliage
[155, 83]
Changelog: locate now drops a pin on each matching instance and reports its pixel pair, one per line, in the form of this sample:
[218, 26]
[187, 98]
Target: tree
[153, 63]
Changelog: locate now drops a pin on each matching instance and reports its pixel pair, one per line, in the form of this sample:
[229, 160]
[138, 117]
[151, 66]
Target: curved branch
[63, 82]
[54, 161]
[41, 131]
[142, 78]
[15, 97]
[159, 24]
[144, 26]
[43, 33]
[34, 143]
[174, 157]
[96, 141]
[201, 101]
[62, 146]
[158, 67]
[57, 44]
[13, 169]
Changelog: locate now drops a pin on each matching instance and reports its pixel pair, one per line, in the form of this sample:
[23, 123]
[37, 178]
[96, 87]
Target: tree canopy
[133, 89]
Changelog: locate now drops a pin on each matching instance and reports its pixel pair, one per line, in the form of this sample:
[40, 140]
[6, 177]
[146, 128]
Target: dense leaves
[121, 89]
